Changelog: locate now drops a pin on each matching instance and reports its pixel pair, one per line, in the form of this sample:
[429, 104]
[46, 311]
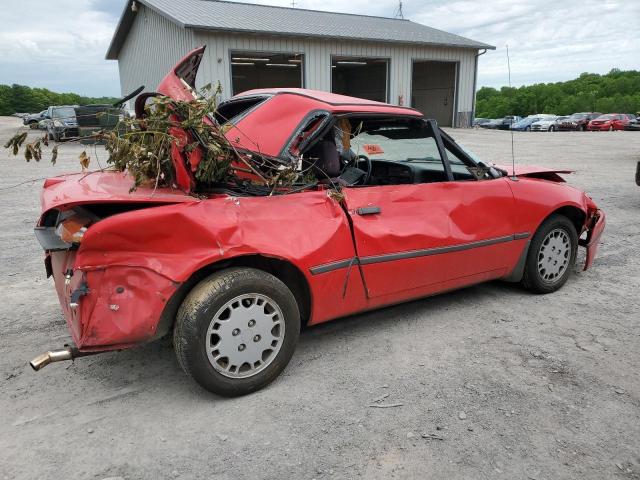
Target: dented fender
[134, 262]
[595, 227]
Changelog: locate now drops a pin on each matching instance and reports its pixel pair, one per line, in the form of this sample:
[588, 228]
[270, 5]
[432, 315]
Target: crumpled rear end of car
[109, 307]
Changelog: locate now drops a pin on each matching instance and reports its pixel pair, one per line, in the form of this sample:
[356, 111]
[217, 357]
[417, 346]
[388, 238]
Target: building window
[360, 77]
[250, 70]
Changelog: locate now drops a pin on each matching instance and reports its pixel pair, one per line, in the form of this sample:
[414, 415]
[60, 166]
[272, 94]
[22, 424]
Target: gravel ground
[494, 382]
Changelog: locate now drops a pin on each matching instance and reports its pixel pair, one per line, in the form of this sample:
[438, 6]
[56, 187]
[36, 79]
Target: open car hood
[533, 171]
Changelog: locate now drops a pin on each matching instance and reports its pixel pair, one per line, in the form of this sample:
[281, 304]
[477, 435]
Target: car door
[421, 238]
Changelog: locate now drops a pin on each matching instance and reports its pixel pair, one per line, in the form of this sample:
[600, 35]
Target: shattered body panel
[347, 253]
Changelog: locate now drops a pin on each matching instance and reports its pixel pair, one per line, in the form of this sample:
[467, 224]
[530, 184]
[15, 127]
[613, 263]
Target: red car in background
[234, 274]
[609, 122]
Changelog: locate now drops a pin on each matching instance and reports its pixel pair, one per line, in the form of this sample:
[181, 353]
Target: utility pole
[293, 3]
[399, 14]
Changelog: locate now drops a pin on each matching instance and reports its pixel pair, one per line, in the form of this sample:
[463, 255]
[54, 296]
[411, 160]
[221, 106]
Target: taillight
[71, 229]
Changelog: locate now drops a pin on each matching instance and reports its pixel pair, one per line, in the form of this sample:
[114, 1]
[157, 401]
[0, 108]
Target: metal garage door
[433, 89]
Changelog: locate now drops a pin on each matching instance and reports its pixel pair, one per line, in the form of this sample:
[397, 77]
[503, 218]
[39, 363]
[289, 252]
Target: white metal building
[257, 46]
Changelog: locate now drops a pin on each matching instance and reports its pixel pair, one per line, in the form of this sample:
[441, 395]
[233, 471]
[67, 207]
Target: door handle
[372, 210]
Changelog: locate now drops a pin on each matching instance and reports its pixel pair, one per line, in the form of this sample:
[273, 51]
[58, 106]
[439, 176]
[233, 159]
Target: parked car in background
[480, 121]
[524, 125]
[577, 121]
[608, 122]
[547, 124]
[33, 119]
[492, 124]
[633, 125]
[61, 122]
[508, 121]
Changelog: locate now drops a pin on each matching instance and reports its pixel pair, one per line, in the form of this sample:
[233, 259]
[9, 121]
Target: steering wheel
[354, 164]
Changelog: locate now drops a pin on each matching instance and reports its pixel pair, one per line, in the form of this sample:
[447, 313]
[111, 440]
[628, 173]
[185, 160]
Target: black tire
[50, 135]
[197, 313]
[552, 128]
[527, 129]
[533, 279]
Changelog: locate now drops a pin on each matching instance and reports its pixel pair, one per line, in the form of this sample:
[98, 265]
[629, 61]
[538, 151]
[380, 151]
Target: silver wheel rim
[554, 255]
[245, 335]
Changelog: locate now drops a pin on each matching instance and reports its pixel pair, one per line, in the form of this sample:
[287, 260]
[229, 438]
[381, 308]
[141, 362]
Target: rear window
[229, 112]
[63, 113]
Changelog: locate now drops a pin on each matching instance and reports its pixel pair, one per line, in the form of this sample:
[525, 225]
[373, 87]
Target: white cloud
[61, 44]
[58, 45]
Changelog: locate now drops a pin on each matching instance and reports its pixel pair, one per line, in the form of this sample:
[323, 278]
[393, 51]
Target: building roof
[225, 16]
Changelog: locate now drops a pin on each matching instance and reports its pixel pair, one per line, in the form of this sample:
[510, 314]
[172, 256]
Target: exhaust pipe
[64, 354]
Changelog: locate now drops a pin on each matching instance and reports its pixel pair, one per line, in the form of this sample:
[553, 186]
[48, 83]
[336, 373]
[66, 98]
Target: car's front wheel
[551, 256]
[236, 331]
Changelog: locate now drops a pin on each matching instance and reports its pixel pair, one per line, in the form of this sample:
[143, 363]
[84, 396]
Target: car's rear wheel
[236, 331]
[551, 256]
[552, 128]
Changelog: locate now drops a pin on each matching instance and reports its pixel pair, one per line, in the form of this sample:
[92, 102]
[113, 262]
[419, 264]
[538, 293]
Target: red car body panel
[451, 214]
[102, 187]
[422, 239]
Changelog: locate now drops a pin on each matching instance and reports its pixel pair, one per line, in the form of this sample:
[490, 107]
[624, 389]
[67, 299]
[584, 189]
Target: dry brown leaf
[84, 160]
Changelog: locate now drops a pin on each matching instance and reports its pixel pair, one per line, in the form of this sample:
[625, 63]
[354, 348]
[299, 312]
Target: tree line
[617, 91]
[19, 98]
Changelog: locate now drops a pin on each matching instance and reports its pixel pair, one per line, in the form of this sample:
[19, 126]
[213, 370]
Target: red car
[609, 122]
[235, 276]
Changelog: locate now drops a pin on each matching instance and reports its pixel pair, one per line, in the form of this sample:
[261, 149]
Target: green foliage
[145, 148]
[18, 98]
[617, 91]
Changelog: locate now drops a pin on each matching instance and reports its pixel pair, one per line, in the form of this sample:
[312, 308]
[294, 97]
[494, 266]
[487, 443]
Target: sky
[61, 44]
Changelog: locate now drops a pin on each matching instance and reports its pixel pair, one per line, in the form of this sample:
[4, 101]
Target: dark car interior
[405, 152]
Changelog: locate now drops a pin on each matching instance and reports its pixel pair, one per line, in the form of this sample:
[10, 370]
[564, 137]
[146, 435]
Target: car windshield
[606, 117]
[64, 113]
[577, 116]
[406, 142]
